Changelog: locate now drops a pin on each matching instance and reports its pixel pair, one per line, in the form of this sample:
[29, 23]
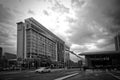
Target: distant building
[67, 54]
[9, 56]
[35, 41]
[117, 42]
[1, 52]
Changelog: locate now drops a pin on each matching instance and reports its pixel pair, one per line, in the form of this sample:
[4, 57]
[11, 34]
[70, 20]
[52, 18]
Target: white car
[43, 69]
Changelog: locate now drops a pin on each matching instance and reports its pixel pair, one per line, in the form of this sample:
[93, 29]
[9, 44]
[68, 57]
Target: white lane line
[115, 76]
[71, 72]
[61, 78]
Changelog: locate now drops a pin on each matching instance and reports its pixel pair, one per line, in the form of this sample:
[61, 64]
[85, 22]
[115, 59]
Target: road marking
[115, 76]
[61, 78]
[71, 72]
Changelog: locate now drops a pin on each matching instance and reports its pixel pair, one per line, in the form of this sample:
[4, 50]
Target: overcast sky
[85, 25]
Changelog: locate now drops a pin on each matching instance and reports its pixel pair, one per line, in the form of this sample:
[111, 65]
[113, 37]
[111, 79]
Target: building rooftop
[44, 28]
[99, 53]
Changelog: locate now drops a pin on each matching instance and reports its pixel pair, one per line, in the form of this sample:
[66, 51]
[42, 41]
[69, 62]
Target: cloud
[104, 42]
[70, 20]
[76, 4]
[78, 48]
[31, 12]
[5, 14]
[107, 13]
[85, 25]
[59, 7]
[20, 0]
[7, 30]
[94, 23]
[46, 12]
[7, 36]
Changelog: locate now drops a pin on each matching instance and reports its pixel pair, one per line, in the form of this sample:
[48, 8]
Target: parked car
[43, 70]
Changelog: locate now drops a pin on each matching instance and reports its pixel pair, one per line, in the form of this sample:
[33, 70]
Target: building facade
[36, 41]
[117, 41]
[67, 54]
[9, 56]
[1, 52]
[102, 60]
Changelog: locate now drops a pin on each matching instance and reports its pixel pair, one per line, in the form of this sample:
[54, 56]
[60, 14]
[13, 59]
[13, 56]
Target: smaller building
[67, 56]
[6, 59]
[102, 60]
[10, 55]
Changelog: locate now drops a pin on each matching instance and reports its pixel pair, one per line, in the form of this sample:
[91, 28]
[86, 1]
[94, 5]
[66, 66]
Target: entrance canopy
[100, 53]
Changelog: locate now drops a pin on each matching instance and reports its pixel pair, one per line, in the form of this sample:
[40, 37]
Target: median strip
[61, 78]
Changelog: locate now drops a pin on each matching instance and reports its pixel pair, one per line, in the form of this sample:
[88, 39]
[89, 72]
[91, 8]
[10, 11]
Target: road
[31, 75]
[70, 74]
[96, 75]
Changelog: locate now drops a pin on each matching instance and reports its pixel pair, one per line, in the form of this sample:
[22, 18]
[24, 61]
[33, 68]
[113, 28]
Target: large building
[117, 41]
[36, 41]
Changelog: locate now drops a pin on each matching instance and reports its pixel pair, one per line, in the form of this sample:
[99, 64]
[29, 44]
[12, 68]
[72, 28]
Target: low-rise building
[102, 60]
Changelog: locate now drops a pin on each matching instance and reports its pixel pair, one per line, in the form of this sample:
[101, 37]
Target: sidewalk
[13, 72]
[33, 70]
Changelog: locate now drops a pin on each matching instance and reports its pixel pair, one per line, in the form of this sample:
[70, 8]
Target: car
[43, 70]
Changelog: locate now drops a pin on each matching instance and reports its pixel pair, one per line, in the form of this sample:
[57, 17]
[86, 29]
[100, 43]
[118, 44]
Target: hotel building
[36, 41]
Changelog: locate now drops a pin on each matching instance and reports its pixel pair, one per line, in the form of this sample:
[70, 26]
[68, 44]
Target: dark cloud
[81, 34]
[110, 47]
[77, 3]
[58, 7]
[71, 20]
[105, 14]
[106, 43]
[17, 11]
[31, 12]
[81, 48]
[5, 35]
[45, 12]
[5, 14]
[111, 10]
[6, 29]
[20, 0]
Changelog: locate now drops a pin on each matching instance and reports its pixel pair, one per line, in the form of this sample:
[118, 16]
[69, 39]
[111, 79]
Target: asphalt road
[71, 74]
[96, 75]
[31, 75]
